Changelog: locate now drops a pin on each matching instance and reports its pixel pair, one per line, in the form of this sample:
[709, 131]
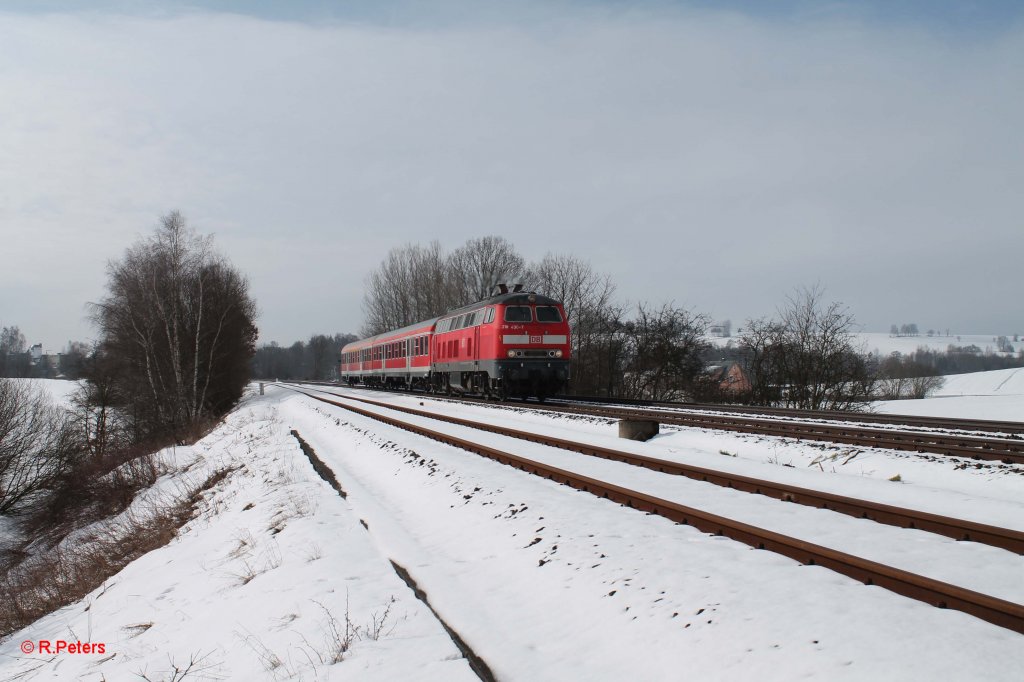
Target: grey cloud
[711, 159]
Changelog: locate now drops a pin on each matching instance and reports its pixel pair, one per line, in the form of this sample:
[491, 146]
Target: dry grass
[63, 575]
[199, 665]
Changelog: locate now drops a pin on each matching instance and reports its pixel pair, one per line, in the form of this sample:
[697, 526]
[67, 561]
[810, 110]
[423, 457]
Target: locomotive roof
[519, 298]
[394, 332]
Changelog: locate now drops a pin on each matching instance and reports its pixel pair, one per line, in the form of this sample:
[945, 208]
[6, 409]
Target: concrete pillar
[638, 429]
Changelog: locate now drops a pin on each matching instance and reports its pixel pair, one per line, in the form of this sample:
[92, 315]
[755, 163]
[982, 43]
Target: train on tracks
[513, 344]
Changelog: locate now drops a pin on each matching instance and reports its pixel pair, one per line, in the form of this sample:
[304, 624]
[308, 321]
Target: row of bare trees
[806, 356]
[415, 283]
[17, 361]
[617, 349]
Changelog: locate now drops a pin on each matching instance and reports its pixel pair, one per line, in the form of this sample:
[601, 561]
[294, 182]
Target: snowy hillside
[980, 395]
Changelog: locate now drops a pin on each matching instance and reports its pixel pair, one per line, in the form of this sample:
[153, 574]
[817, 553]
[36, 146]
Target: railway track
[937, 593]
[958, 529]
[1008, 450]
[935, 423]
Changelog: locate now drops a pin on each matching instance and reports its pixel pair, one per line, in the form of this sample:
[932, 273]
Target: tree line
[312, 360]
[805, 356]
[16, 361]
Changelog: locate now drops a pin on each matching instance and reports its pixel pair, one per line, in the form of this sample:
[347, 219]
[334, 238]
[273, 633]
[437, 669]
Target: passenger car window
[518, 313]
[548, 313]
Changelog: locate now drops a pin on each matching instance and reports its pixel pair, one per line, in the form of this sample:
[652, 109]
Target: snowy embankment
[542, 581]
[275, 579]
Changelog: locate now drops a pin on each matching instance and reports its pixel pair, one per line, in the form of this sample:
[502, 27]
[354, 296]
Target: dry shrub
[101, 485]
[63, 575]
[95, 488]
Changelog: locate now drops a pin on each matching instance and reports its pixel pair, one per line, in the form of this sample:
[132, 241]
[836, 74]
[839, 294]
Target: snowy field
[541, 581]
[885, 344]
[995, 395]
[882, 343]
[60, 390]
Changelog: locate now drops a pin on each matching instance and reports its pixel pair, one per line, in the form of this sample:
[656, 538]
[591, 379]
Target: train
[512, 344]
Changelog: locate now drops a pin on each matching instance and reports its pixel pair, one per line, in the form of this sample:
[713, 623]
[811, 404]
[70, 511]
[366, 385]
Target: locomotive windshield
[518, 313]
[548, 313]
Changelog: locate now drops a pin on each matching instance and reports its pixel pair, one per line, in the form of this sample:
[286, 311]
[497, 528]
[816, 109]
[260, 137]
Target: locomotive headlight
[558, 353]
[511, 353]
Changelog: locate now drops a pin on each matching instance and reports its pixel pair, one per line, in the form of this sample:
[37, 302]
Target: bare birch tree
[179, 321]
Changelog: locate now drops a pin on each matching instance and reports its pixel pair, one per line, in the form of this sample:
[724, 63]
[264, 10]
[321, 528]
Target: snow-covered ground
[259, 586]
[882, 343]
[60, 390]
[995, 395]
[543, 582]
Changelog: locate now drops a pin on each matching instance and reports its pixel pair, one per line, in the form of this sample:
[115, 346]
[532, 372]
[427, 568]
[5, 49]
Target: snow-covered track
[992, 609]
[1009, 450]
[934, 423]
[958, 529]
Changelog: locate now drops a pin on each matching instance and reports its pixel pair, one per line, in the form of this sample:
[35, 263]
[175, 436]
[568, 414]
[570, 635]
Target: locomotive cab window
[518, 313]
[489, 316]
[548, 313]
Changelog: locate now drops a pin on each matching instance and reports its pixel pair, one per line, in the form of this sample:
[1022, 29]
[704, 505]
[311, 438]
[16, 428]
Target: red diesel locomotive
[512, 344]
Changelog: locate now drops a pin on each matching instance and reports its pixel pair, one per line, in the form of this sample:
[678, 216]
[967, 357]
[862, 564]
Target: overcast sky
[713, 157]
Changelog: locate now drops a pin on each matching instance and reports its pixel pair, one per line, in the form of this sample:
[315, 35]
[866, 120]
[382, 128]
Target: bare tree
[761, 345]
[664, 356]
[14, 360]
[37, 444]
[480, 264]
[179, 320]
[808, 358]
[415, 283]
[589, 307]
[923, 386]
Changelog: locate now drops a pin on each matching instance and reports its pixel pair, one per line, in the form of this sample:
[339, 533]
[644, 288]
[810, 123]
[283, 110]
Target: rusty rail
[958, 529]
[1006, 450]
[942, 423]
